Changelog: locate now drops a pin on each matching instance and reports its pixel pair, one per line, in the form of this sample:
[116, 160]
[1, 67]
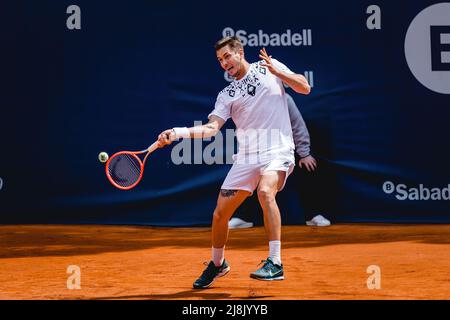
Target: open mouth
[229, 69]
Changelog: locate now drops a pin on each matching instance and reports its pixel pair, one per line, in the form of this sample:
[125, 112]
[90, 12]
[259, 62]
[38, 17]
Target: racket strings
[124, 169]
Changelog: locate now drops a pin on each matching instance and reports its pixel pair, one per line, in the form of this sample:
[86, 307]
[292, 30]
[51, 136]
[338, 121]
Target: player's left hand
[308, 162]
[267, 61]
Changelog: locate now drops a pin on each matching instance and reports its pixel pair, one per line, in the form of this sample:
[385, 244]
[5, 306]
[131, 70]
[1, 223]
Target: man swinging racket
[256, 102]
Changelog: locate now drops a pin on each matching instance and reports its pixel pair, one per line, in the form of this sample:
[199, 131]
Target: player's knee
[266, 195]
[219, 215]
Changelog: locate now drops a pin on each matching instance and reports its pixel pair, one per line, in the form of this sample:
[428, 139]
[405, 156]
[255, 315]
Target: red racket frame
[134, 154]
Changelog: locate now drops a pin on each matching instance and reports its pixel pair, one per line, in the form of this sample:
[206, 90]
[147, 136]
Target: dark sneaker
[210, 274]
[269, 271]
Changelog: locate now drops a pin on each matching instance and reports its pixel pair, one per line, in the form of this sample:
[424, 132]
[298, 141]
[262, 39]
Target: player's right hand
[166, 137]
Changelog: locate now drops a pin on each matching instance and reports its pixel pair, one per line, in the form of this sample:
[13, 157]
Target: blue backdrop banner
[80, 77]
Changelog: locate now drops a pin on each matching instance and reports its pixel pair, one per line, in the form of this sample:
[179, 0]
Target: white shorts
[246, 176]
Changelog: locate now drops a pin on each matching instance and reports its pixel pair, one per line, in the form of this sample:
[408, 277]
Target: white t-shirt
[257, 104]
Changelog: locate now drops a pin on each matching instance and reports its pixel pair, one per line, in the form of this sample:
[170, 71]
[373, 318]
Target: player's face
[230, 60]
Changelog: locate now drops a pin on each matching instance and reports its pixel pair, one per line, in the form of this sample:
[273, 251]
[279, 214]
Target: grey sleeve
[299, 130]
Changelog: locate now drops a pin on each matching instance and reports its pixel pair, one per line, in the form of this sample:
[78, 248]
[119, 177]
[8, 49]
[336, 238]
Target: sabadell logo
[260, 38]
[403, 192]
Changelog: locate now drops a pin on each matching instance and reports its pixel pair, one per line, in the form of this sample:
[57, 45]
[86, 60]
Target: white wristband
[182, 132]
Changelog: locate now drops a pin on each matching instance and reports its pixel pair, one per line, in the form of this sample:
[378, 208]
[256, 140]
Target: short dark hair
[234, 43]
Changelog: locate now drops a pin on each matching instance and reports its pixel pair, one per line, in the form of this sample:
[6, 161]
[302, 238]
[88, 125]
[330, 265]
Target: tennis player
[256, 102]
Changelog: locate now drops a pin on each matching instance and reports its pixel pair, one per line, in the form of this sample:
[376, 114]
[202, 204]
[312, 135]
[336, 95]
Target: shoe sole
[312, 224]
[242, 226]
[267, 279]
[224, 272]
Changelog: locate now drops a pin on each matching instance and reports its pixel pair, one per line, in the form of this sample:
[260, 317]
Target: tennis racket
[125, 169]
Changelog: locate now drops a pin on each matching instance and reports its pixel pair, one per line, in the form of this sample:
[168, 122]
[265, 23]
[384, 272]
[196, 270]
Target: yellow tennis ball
[103, 157]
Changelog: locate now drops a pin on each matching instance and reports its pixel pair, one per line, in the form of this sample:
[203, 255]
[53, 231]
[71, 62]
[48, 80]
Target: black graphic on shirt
[247, 85]
[251, 90]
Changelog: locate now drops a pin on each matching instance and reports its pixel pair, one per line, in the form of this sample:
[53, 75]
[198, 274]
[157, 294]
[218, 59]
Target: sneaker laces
[266, 265]
[210, 269]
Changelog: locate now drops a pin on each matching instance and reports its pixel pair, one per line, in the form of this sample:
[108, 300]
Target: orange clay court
[128, 262]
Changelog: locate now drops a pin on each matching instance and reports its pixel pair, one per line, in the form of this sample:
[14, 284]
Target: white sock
[218, 256]
[275, 251]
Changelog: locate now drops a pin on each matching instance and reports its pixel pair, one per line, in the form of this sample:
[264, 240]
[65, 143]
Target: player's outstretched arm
[204, 131]
[297, 82]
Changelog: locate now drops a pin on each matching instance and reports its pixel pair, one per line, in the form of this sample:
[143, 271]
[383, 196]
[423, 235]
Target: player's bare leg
[227, 202]
[268, 188]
